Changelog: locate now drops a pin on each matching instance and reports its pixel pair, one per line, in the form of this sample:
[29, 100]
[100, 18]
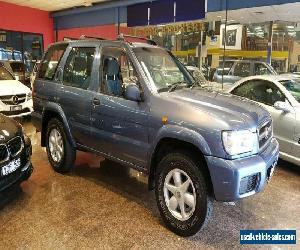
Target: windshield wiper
[175, 85]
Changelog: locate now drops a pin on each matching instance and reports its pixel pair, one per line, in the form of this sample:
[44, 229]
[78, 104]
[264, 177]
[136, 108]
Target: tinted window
[78, 68]
[260, 91]
[242, 69]
[51, 61]
[117, 70]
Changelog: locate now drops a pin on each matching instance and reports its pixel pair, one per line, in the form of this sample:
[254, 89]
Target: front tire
[61, 153]
[181, 194]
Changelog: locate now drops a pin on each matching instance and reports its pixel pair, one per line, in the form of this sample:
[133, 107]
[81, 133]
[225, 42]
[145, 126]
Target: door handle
[96, 102]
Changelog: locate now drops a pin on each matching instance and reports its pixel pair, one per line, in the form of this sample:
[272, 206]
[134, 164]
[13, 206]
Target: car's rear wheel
[181, 194]
[61, 153]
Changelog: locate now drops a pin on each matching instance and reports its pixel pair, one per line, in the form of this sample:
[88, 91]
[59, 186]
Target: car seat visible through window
[112, 77]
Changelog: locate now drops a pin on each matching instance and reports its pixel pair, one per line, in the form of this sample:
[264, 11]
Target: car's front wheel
[61, 153]
[181, 194]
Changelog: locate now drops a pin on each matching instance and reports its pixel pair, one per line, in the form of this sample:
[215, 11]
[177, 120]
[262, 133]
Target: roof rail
[122, 37]
[84, 37]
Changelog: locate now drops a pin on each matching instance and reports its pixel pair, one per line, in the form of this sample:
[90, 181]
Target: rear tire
[61, 153]
[181, 193]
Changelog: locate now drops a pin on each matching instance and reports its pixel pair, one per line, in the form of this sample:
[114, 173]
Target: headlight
[240, 142]
[29, 96]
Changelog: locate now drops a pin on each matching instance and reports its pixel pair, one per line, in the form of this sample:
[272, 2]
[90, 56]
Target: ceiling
[285, 12]
[54, 5]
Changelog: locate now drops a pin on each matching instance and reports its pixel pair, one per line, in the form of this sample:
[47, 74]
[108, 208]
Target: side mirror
[283, 106]
[132, 92]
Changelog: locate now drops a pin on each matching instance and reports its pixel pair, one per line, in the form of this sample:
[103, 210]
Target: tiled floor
[104, 205]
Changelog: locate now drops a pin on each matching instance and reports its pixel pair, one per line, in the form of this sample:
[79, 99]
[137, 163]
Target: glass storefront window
[22, 47]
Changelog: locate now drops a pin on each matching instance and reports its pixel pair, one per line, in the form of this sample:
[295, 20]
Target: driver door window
[260, 91]
[117, 70]
[242, 69]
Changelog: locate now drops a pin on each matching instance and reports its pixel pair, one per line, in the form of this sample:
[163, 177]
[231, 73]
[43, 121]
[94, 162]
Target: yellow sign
[186, 27]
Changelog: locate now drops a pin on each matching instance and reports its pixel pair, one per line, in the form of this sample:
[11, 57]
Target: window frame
[100, 88]
[58, 63]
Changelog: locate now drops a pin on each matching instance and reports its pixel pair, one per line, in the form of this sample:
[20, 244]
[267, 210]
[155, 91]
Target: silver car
[236, 70]
[280, 95]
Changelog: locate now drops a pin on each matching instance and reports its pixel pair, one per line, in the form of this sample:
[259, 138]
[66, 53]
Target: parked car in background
[240, 69]
[198, 75]
[16, 68]
[281, 97]
[15, 153]
[15, 97]
[136, 104]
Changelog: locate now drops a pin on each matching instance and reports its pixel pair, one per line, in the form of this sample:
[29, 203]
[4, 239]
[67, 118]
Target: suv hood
[12, 87]
[8, 128]
[235, 111]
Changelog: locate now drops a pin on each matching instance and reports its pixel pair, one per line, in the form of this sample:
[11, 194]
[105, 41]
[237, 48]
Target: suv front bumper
[240, 178]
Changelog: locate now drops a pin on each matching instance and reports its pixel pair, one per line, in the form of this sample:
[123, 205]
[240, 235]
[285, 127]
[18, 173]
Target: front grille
[4, 154]
[15, 146]
[248, 183]
[17, 112]
[265, 133]
[13, 99]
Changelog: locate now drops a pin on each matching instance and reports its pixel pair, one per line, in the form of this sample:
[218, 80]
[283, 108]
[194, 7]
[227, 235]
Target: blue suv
[136, 104]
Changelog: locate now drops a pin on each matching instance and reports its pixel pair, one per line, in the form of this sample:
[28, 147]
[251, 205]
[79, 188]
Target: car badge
[267, 132]
[15, 100]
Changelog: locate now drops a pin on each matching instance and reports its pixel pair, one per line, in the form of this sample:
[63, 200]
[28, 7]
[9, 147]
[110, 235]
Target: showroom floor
[104, 205]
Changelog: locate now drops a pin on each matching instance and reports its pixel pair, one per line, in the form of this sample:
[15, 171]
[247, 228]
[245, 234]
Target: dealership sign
[186, 27]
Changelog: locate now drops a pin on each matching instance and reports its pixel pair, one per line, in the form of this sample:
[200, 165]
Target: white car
[15, 97]
[280, 95]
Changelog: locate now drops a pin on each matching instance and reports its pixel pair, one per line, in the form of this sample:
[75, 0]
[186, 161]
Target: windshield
[5, 75]
[293, 86]
[163, 69]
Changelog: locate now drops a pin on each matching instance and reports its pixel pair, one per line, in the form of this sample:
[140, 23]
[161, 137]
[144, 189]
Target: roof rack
[122, 37]
[84, 37]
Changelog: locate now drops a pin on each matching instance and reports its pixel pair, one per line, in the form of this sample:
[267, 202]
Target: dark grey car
[136, 104]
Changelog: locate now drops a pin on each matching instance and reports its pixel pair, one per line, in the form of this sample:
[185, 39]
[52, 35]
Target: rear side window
[51, 61]
[78, 68]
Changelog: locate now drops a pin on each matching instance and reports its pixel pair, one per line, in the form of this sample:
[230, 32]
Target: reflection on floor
[104, 205]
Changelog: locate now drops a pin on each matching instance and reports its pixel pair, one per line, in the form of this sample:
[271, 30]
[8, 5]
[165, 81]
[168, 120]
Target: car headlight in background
[240, 142]
[29, 96]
